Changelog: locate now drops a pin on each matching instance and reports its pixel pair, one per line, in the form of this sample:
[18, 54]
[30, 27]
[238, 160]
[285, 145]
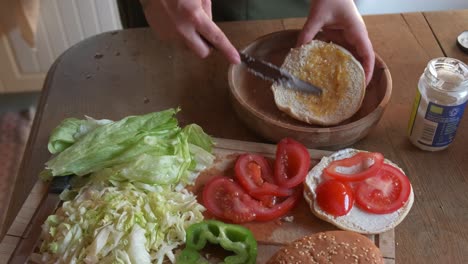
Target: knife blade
[271, 72]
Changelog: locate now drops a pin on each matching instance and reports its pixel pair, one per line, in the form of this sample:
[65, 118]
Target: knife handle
[59, 184]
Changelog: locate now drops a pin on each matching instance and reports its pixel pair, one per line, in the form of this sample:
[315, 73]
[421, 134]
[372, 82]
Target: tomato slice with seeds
[254, 174]
[356, 168]
[385, 192]
[335, 197]
[225, 199]
[292, 163]
[266, 214]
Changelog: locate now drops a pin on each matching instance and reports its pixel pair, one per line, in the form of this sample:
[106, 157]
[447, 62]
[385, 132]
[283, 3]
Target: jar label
[414, 112]
[440, 124]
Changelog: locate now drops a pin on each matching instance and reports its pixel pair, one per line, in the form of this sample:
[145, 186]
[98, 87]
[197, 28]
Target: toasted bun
[356, 220]
[338, 247]
[330, 67]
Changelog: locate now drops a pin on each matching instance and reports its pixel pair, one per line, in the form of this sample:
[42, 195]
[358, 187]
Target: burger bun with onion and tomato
[359, 191]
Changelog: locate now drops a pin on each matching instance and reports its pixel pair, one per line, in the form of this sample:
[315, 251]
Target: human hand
[341, 23]
[189, 21]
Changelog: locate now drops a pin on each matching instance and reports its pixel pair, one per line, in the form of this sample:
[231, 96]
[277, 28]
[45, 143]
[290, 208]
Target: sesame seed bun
[329, 247]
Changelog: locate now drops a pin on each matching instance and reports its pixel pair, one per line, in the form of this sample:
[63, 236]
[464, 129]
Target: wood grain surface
[137, 74]
[270, 235]
[446, 27]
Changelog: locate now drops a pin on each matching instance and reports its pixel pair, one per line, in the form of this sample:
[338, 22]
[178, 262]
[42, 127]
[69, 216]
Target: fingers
[191, 22]
[201, 34]
[359, 39]
[311, 27]
[351, 34]
[193, 41]
[213, 34]
[356, 42]
[368, 60]
[206, 5]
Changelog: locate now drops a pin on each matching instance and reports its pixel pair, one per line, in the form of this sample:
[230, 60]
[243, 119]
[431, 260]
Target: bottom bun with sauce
[330, 67]
[357, 219]
[338, 247]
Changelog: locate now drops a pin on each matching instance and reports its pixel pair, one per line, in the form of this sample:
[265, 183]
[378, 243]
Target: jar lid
[447, 74]
[462, 41]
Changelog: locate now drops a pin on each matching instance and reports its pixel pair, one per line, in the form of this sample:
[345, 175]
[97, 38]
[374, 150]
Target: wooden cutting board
[270, 235]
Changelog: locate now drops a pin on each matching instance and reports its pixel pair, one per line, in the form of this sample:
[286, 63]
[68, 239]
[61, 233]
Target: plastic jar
[439, 104]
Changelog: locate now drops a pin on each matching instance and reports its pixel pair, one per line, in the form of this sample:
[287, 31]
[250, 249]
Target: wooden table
[130, 72]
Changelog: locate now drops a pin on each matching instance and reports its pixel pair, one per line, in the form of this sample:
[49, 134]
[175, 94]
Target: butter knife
[271, 72]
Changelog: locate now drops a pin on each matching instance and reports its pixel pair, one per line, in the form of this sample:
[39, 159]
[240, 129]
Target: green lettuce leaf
[70, 130]
[115, 143]
[197, 137]
[180, 164]
[150, 149]
[62, 136]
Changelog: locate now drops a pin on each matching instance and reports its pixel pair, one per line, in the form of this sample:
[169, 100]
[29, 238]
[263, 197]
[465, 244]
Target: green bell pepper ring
[235, 238]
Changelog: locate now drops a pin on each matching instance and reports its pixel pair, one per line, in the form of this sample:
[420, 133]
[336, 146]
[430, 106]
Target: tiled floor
[14, 132]
[16, 115]
[17, 229]
[14, 102]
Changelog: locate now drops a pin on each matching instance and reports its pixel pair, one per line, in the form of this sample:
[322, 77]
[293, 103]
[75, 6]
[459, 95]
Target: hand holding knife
[270, 72]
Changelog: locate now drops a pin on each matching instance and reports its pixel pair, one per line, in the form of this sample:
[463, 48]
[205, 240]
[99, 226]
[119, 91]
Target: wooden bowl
[253, 101]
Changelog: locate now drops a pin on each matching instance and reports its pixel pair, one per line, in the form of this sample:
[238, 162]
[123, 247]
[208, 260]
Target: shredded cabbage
[119, 224]
[133, 206]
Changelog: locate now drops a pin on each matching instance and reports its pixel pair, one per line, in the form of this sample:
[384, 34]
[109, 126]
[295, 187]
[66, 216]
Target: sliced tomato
[385, 192]
[292, 163]
[266, 214]
[254, 174]
[225, 199]
[356, 168]
[335, 197]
